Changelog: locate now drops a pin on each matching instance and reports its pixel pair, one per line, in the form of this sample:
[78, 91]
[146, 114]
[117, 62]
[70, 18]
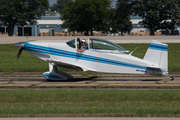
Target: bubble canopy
[99, 44]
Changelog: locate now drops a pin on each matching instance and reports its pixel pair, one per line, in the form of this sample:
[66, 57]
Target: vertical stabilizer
[157, 53]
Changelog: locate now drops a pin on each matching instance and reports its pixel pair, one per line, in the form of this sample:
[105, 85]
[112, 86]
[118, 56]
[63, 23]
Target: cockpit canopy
[100, 45]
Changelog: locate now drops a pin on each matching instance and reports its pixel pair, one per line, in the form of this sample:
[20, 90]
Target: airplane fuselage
[61, 54]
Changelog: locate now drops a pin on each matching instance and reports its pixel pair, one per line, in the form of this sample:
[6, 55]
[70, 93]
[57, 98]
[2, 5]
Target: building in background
[50, 24]
[140, 28]
[47, 24]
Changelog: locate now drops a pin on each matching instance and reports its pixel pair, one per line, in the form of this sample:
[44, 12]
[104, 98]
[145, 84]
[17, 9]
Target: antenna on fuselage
[26, 38]
[133, 51]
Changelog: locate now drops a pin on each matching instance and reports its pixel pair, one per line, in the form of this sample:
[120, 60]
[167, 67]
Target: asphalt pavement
[106, 81]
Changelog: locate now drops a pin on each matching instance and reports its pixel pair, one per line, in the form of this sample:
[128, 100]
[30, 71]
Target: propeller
[19, 45]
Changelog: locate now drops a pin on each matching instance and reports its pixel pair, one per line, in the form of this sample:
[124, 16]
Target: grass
[27, 62]
[90, 102]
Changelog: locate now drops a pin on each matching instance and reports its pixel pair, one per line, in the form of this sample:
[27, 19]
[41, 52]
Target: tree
[158, 14]
[122, 16]
[59, 5]
[125, 25]
[113, 21]
[86, 15]
[21, 12]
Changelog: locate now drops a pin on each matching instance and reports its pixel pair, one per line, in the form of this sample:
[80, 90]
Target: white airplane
[101, 56]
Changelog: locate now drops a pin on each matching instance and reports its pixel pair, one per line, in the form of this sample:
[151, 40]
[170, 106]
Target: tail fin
[157, 54]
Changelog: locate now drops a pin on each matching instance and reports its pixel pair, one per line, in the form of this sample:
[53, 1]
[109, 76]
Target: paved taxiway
[101, 82]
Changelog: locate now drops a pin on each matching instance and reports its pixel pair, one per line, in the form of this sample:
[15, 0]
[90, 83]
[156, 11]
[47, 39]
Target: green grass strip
[27, 62]
[89, 103]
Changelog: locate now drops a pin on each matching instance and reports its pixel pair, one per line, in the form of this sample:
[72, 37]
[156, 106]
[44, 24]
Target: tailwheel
[48, 80]
[171, 78]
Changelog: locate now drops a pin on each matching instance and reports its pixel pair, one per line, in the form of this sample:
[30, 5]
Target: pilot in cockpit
[83, 46]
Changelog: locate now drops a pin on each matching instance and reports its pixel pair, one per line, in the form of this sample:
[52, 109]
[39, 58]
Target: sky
[51, 2]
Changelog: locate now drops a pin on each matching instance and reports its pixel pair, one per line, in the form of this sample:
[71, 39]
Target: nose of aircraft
[19, 44]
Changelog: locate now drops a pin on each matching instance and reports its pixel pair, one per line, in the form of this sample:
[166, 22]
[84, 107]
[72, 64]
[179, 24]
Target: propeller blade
[19, 53]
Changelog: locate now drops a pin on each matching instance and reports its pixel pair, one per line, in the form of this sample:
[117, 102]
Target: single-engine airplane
[101, 56]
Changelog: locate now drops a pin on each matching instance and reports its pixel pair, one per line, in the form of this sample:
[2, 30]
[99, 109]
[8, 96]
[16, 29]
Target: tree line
[89, 15]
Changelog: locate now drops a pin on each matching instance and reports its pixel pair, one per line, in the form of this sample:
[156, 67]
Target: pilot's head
[83, 41]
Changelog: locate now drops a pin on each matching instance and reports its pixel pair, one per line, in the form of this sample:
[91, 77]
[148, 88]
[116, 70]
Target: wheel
[48, 80]
[171, 78]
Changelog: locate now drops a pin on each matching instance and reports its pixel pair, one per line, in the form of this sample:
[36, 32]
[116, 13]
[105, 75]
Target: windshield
[101, 44]
[71, 43]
